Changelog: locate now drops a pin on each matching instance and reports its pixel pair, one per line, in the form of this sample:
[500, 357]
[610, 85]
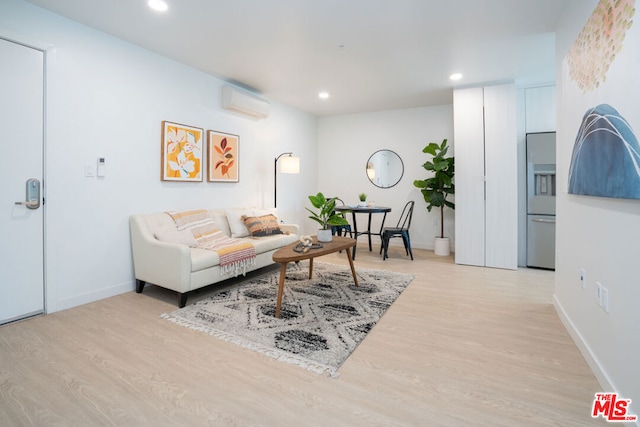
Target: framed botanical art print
[181, 158]
[223, 149]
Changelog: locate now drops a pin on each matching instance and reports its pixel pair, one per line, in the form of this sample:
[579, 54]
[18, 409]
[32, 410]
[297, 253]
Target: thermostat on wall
[102, 166]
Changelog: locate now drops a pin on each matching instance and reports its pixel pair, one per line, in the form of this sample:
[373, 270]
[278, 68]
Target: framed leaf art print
[224, 159]
[181, 158]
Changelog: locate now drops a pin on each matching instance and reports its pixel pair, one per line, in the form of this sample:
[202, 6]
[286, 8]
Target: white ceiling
[370, 55]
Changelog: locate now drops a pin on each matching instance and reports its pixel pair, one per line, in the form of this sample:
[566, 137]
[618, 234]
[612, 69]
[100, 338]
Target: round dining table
[370, 210]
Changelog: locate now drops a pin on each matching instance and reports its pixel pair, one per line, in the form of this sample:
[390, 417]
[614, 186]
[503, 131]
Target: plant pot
[324, 235]
[441, 246]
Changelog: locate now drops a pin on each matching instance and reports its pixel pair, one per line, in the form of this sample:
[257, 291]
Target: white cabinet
[468, 137]
[485, 141]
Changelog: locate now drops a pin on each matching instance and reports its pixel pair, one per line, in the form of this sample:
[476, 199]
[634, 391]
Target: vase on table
[324, 235]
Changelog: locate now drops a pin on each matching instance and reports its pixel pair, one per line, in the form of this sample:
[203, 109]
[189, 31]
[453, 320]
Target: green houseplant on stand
[437, 188]
[325, 215]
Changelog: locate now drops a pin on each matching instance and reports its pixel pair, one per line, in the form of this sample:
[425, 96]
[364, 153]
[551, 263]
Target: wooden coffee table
[286, 255]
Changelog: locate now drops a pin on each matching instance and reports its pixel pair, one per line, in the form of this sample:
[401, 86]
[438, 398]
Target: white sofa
[182, 268]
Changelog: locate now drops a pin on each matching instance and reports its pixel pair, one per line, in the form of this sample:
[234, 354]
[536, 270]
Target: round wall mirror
[384, 168]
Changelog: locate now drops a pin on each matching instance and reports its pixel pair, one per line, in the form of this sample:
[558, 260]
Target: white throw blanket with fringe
[235, 254]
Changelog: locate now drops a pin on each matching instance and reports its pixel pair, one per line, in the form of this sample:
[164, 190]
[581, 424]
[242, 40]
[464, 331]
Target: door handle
[31, 205]
[32, 194]
[549, 221]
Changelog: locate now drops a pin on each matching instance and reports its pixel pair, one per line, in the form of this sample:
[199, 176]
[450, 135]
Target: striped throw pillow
[260, 226]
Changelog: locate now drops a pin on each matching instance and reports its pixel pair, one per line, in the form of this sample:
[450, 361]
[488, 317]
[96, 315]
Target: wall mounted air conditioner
[244, 103]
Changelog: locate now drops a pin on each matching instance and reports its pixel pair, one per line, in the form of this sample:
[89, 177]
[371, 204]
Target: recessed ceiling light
[159, 5]
[456, 76]
[323, 95]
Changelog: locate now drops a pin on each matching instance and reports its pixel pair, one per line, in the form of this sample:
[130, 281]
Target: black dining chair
[341, 230]
[400, 230]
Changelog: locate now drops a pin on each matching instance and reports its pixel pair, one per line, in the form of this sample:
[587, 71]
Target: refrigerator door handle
[549, 221]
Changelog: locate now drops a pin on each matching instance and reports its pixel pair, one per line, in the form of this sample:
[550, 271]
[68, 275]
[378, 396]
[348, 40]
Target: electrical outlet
[583, 278]
[605, 299]
[599, 293]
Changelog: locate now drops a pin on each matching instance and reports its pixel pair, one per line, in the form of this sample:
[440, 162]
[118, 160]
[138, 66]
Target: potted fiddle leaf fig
[325, 215]
[438, 187]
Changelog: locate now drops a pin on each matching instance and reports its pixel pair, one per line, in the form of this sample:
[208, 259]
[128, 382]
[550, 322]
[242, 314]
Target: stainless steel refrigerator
[541, 200]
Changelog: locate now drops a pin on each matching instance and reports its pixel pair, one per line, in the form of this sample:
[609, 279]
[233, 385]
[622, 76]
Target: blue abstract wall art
[606, 156]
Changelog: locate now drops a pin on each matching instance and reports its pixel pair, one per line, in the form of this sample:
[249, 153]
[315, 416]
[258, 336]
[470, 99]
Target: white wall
[108, 98]
[601, 235]
[346, 142]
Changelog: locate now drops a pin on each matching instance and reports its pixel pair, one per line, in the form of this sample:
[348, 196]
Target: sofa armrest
[291, 228]
[159, 263]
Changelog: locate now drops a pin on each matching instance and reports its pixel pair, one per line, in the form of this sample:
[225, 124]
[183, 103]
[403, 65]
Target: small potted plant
[436, 188]
[363, 199]
[325, 215]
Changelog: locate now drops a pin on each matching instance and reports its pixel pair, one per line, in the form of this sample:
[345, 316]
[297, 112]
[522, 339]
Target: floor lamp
[288, 164]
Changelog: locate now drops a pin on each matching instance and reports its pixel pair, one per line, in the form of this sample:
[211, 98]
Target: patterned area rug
[321, 322]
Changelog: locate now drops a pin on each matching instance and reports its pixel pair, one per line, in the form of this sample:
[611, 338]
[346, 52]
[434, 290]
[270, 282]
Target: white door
[21, 159]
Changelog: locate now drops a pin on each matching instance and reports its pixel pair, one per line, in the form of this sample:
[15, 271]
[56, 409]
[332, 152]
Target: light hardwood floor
[462, 346]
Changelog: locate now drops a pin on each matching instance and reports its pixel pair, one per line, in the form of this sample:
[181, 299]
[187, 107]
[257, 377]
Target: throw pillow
[260, 226]
[182, 237]
[236, 224]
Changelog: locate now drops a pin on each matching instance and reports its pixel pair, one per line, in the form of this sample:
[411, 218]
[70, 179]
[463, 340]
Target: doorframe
[49, 55]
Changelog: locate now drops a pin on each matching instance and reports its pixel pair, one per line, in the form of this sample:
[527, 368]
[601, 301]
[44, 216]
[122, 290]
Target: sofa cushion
[220, 219]
[260, 226]
[159, 222]
[201, 259]
[207, 233]
[269, 243]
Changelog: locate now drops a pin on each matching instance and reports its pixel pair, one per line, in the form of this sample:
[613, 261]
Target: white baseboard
[88, 297]
[414, 244]
[584, 348]
[597, 369]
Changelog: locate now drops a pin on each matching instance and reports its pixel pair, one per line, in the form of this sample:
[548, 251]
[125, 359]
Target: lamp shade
[290, 164]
